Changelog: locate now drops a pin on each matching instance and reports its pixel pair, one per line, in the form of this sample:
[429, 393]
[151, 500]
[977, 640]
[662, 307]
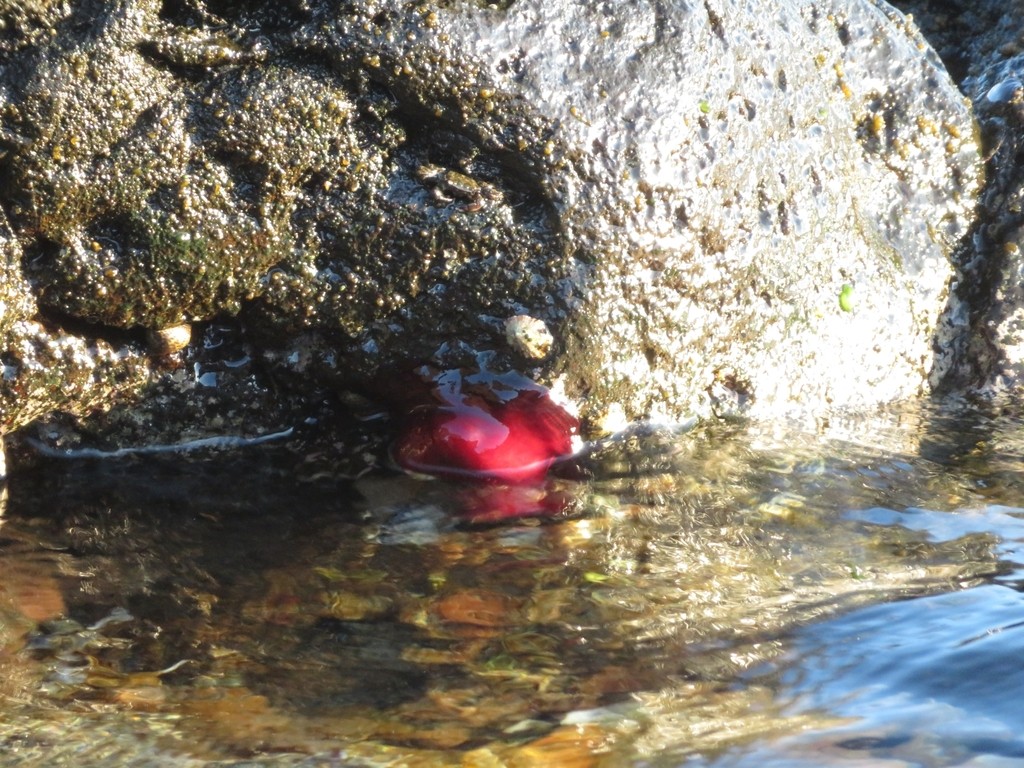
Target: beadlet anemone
[492, 427]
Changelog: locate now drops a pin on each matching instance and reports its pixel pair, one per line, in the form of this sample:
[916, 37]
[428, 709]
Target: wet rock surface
[693, 211]
[983, 48]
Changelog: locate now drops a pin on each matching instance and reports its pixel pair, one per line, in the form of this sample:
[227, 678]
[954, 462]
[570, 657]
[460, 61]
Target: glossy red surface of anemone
[492, 432]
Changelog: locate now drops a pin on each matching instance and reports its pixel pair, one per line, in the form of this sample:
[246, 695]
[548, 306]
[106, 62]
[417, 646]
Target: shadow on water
[721, 597]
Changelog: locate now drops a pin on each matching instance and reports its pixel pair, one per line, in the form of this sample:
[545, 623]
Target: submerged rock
[707, 210]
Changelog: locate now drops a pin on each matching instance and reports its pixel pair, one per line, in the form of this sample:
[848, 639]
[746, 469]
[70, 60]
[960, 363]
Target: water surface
[736, 596]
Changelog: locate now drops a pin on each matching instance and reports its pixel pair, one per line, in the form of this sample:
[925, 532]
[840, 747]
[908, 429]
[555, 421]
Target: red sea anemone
[500, 427]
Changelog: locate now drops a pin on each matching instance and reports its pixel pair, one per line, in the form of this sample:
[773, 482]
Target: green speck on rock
[846, 300]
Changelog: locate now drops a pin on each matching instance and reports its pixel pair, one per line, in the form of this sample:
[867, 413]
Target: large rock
[741, 181]
[703, 209]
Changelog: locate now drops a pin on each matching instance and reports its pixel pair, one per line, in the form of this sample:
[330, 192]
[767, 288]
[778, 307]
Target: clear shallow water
[732, 597]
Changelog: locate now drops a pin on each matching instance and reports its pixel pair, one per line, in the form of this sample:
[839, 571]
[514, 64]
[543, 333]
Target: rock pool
[733, 596]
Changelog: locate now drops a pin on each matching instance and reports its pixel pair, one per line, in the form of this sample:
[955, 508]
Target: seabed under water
[731, 596]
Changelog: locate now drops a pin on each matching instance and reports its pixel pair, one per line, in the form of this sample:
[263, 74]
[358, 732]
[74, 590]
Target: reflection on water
[938, 675]
[727, 597]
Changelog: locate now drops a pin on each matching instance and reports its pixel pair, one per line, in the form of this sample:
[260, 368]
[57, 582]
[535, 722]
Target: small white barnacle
[529, 336]
[169, 340]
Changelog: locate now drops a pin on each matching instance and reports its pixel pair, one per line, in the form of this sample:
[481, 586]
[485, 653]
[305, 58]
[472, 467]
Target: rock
[127, 179]
[16, 304]
[726, 210]
[678, 277]
[44, 369]
[707, 210]
[982, 45]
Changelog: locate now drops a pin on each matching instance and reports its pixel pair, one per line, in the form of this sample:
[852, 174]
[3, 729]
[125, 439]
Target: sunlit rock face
[770, 200]
[694, 209]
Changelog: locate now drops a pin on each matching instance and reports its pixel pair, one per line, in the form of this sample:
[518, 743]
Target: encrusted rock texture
[982, 45]
[663, 210]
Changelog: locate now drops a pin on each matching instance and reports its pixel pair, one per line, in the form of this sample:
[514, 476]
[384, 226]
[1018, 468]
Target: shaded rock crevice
[981, 337]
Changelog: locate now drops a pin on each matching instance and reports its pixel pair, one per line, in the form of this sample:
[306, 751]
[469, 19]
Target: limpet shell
[1008, 91]
[169, 340]
[529, 336]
